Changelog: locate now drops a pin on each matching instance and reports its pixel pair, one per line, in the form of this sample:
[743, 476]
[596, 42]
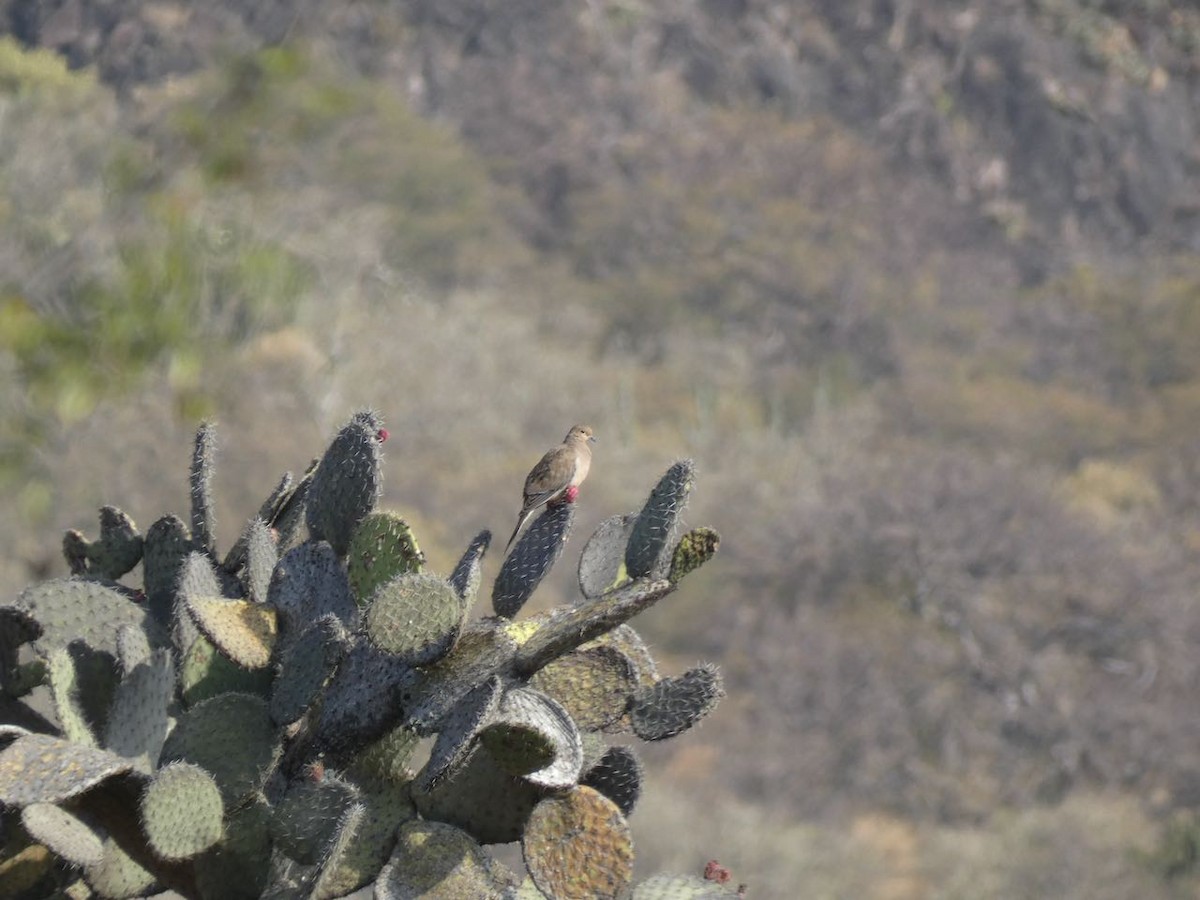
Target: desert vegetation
[915, 286]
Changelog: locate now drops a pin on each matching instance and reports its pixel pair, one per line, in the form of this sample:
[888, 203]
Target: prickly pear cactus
[248, 726]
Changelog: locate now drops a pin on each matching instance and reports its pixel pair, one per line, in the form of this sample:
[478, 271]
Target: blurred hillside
[916, 284]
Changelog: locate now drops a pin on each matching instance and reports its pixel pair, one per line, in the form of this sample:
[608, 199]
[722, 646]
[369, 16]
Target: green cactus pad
[63, 678]
[457, 731]
[309, 582]
[182, 812]
[436, 861]
[118, 875]
[594, 686]
[137, 720]
[358, 861]
[64, 832]
[415, 617]
[694, 549]
[261, 557]
[383, 547]
[656, 524]
[618, 776]
[113, 554]
[306, 819]
[386, 758]
[484, 800]
[346, 484]
[577, 846]
[236, 868]
[675, 704]
[206, 673]
[345, 833]
[204, 451]
[37, 768]
[682, 887]
[602, 563]
[625, 639]
[69, 610]
[232, 737]
[468, 573]
[306, 664]
[132, 648]
[197, 579]
[537, 550]
[363, 698]
[242, 630]
[533, 736]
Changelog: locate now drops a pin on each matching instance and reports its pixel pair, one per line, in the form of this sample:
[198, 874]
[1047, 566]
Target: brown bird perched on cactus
[557, 475]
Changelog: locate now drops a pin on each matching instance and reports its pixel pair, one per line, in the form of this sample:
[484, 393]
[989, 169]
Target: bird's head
[580, 434]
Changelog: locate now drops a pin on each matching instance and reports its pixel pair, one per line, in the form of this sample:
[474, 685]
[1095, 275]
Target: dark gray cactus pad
[347, 483]
[650, 542]
[675, 704]
[537, 550]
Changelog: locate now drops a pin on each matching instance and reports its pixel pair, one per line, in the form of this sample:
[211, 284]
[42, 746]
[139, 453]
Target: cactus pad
[309, 582]
[261, 557]
[533, 736]
[113, 554]
[457, 732]
[482, 651]
[63, 678]
[231, 736]
[593, 685]
[182, 811]
[132, 648]
[69, 610]
[118, 874]
[306, 819]
[657, 522]
[577, 846]
[236, 868]
[204, 451]
[358, 861]
[383, 547]
[166, 546]
[346, 484]
[38, 768]
[242, 630]
[468, 573]
[205, 673]
[362, 699]
[602, 563]
[415, 617]
[436, 861]
[63, 832]
[137, 720]
[306, 665]
[694, 549]
[674, 705]
[618, 776]
[537, 550]
[481, 798]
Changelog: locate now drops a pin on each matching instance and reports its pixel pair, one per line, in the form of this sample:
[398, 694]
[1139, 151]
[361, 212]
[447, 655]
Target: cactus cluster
[248, 725]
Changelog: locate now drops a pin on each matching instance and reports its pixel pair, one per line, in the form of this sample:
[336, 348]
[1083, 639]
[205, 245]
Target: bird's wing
[550, 476]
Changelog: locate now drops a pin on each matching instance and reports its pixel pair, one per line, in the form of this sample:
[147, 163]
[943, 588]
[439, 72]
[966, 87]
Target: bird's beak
[592, 439]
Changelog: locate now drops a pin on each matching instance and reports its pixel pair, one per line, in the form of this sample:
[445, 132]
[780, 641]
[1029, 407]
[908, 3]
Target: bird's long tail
[520, 521]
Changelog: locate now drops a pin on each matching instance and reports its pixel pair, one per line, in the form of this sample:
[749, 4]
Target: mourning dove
[558, 473]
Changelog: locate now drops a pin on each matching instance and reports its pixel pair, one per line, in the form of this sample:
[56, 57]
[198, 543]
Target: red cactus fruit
[382, 434]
